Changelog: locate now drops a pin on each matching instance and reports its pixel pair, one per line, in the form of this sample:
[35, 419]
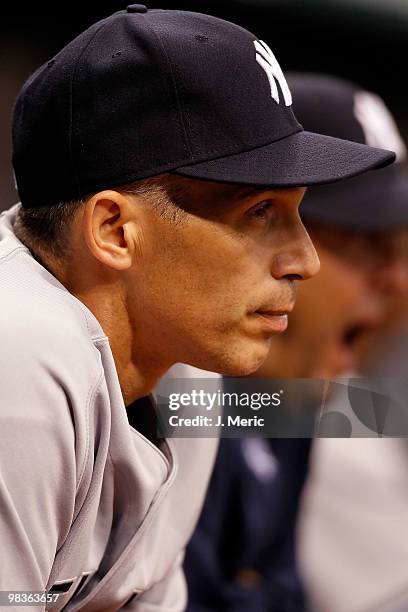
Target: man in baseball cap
[160, 169]
[243, 553]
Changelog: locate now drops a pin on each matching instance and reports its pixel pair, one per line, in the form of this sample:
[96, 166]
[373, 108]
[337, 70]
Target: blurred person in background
[243, 554]
[353, 544]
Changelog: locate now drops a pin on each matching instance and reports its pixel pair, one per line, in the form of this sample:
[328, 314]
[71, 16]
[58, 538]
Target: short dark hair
[45, 229]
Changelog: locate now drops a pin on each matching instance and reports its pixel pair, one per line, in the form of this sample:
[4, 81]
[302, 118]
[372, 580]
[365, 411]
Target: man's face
[392, 279]
[344, 303]
[342, 307]
[213, 289]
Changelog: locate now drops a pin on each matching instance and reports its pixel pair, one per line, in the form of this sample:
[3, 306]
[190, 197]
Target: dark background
[363, 40]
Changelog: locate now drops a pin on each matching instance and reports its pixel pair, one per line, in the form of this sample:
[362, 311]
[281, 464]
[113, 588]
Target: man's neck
[138, 373]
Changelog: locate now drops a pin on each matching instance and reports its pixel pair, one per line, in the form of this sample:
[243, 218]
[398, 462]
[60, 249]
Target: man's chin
[246, 361]
[236, 356]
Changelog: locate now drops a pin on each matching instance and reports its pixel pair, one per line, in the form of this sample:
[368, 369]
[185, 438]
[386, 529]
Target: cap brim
[302, 159]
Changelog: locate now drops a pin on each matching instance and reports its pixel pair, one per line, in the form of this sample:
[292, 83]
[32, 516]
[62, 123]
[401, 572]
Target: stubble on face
[200, 280]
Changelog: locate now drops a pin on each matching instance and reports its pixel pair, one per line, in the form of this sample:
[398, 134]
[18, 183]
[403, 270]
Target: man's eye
[261, 212]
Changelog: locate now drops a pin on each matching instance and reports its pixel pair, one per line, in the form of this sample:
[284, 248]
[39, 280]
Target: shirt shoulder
[41, 323]
[49, 356]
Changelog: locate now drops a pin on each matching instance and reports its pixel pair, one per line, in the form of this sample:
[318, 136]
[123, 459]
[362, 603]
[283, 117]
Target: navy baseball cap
[144, 92]
[339, 108]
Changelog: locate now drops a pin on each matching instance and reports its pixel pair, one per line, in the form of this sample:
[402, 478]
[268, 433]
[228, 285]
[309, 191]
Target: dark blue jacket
[242, 554]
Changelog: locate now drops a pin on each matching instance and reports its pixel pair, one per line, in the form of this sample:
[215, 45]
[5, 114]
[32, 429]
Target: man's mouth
[274, 320]
[350, 342]
[352, 334]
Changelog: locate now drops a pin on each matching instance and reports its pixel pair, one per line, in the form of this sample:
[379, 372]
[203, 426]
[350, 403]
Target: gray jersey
[89, 507]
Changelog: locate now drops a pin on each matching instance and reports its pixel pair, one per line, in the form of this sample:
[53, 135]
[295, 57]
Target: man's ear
[109, 224]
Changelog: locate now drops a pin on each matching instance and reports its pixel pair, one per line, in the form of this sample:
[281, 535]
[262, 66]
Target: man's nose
[299, 261]
[392, 277]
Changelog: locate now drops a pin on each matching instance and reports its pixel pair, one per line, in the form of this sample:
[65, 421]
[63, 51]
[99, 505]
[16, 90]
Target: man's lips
[345, 353]
[274, 320]
[352, 333]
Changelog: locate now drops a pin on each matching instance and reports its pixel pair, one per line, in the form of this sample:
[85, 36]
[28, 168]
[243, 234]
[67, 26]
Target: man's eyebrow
[249, 190]
[226, 197]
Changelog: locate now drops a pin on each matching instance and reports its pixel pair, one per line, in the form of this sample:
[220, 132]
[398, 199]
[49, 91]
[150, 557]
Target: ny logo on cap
[269, 63]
